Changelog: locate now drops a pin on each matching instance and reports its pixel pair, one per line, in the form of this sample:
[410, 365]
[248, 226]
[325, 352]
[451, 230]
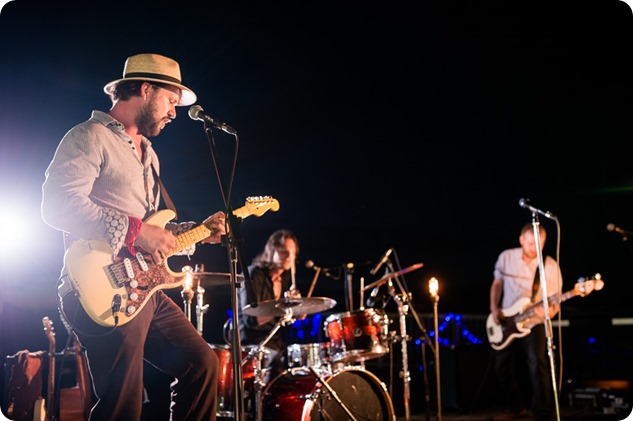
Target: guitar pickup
[127, 263]
[141, 262]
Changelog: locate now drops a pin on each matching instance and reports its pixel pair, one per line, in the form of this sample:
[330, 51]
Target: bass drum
[296, 395]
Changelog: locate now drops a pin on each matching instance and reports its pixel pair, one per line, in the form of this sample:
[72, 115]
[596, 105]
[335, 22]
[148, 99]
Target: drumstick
[292, 271]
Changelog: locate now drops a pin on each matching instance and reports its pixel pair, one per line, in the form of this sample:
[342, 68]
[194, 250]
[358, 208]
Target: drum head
[300, 396]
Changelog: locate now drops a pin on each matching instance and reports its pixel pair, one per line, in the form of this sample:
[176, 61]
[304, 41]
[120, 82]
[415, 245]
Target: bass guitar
[112, 290]
[516, 321]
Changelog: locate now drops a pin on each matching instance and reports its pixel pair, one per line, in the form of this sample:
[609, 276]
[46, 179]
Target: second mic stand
[548, 322]
[404, 300]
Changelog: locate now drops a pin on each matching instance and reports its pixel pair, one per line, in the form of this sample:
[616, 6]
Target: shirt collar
[112, 123]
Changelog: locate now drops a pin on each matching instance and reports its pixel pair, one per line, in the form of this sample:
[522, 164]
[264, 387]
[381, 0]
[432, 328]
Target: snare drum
[226, 401]
[309, 355]
[357, 335]
[300, 396]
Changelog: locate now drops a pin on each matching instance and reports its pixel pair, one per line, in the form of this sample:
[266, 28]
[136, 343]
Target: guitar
[50, 393]
[516, 322]
[112, 290]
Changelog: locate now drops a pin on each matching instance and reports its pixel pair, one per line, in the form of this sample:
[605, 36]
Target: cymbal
[393, 275]
[212, 279]
[298, 306]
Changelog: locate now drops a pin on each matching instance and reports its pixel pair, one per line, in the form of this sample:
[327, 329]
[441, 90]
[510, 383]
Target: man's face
[159, 110]
[528, 244]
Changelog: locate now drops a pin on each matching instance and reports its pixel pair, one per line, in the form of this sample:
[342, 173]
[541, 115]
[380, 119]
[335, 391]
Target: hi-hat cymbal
[213, 279]
[391, 275]
[297, 306]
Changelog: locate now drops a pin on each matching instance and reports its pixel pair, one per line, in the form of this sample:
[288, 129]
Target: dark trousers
[533, 350]
[159, 334]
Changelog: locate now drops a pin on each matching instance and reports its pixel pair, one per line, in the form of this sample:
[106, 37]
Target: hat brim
[187, 96]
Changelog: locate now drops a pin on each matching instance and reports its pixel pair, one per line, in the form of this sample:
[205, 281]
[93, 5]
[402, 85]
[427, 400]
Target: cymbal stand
[187, 291]
[332, 393]
[201, 308]
[258, 353]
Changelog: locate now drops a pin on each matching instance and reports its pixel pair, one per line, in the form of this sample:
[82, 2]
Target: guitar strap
[536, 284]
[163, 191]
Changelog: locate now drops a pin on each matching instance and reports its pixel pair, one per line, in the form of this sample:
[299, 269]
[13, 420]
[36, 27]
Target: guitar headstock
[585, 287]
[257, 205]
[48, 328]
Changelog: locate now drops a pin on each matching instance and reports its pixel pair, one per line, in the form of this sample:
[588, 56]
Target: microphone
[382, 261]
[326, 271]
[612, 227]
[525, 203]
[371, 300]
[310, 265]
[197, 113]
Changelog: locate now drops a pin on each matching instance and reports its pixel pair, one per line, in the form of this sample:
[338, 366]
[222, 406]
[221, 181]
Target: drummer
[272, 275]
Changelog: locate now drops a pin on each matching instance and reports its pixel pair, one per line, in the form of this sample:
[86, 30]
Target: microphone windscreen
[194, 110]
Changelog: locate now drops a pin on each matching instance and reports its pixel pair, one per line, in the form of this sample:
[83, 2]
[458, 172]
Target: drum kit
[322, 380]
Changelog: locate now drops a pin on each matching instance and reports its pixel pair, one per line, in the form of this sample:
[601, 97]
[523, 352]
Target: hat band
[153, 76]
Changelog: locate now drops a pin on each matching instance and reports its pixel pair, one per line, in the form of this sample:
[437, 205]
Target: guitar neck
[192, 236]
[551, 301]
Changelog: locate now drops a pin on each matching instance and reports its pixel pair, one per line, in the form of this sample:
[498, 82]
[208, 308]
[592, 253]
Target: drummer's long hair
[275, 242]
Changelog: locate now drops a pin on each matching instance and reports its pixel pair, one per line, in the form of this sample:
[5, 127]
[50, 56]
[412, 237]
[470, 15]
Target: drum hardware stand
[332, 393]
[187, 291]
[258, 353]
[201, 308]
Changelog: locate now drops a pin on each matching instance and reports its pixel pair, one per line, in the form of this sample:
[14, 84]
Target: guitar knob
[133, 296]
[130, 309]
[133, 283]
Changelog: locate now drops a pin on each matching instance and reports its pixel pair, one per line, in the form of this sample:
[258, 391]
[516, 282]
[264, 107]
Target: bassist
[516, 277]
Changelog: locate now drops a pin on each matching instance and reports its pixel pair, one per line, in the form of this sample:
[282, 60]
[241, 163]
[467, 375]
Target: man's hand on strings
[217, 224]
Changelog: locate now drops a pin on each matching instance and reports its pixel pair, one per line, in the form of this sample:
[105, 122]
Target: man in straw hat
[100, 188]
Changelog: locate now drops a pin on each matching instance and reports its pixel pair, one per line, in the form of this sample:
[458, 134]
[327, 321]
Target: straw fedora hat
[154, 68]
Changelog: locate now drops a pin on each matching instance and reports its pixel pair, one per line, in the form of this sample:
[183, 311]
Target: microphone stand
[349, 271]
[548, 322]
[233, 242]
[401, 299]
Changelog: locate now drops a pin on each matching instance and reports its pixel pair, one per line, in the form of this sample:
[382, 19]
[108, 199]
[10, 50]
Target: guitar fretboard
[553, 300]
[192, 236]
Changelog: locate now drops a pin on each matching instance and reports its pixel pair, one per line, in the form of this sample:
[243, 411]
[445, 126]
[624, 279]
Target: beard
[147, 122]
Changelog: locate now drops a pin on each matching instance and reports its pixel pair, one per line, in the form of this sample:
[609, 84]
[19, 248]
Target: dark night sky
[417, 128]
